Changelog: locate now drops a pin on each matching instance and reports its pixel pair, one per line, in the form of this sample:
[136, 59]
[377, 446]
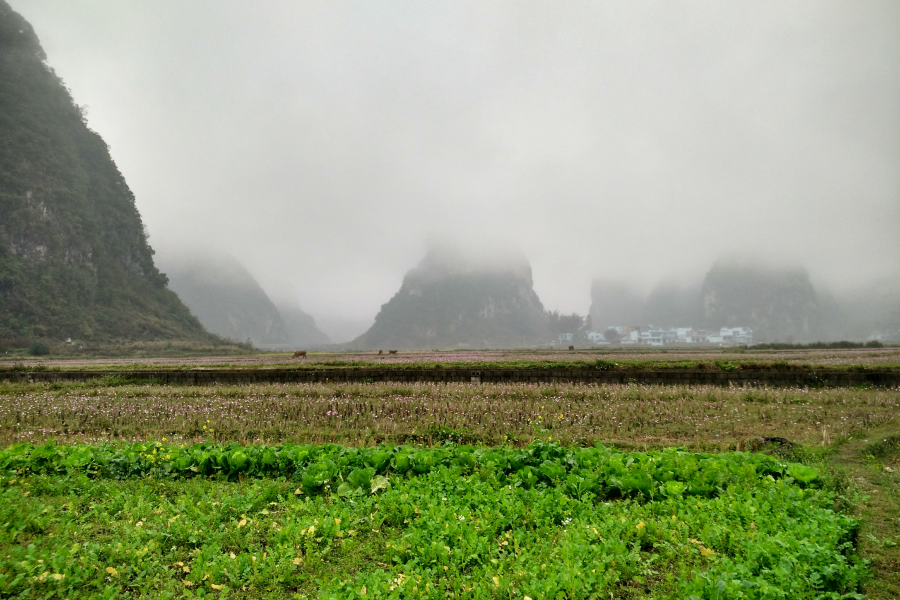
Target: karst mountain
[452, 300]
[231, 303]
[74, 257]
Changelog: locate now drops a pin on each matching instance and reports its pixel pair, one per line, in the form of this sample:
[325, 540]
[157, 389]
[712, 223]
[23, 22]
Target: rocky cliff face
[74, 257]
[778, 304]
[448, 301]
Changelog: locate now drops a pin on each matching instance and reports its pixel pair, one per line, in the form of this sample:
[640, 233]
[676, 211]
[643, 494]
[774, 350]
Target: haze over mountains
[452, 299]
[230, 303]
[324, 145]
[780, 304]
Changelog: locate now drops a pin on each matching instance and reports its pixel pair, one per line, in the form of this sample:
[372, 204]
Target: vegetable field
[112, 489]
[156, 520]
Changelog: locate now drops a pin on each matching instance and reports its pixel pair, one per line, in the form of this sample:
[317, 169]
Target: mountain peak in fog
[229, 301]
[457, 298]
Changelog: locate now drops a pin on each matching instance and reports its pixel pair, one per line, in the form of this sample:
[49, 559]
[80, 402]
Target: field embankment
[144, 357]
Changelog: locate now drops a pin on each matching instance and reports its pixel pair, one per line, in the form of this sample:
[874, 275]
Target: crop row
[597, 470]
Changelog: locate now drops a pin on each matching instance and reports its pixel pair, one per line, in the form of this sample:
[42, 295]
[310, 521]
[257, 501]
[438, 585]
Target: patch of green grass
[867, 471]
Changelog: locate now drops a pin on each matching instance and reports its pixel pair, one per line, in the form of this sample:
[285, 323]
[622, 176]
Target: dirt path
[872, 468]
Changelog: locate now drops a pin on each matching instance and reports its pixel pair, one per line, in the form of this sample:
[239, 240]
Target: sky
[327, 145]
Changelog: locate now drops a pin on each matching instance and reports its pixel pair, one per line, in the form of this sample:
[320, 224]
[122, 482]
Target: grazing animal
[571, 347]
[381, 352]
[392, 352]
[299, 353]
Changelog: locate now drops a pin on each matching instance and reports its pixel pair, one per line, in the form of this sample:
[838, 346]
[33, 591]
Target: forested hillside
[74, 257]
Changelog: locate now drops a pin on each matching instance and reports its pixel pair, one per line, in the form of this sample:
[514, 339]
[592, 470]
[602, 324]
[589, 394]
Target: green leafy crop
[546, 521]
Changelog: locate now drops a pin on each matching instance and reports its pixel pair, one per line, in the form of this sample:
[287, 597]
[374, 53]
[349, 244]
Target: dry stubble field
[492, 414]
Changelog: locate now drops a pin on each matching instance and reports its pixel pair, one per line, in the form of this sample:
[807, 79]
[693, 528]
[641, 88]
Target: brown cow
[380, 352]
[571, 347]
[392, 352]
[299, 353]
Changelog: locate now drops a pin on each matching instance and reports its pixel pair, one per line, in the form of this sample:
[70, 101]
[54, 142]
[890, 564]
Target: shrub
[39, 349]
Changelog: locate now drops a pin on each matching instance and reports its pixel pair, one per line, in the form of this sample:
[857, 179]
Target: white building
[596, 337]
[653, 337]
[737, 335]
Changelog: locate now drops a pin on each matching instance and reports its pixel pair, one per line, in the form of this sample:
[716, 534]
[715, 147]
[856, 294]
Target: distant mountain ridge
[231, 303]
[450, 301]
[778, 303]
[74, 257]
[301, 328]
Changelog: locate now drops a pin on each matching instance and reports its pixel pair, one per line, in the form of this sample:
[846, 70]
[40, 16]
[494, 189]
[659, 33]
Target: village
[633, 335]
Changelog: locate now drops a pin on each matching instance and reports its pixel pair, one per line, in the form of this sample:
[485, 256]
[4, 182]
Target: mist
[327, 145]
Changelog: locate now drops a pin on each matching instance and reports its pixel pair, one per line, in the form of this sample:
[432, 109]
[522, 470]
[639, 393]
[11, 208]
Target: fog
[327, 145]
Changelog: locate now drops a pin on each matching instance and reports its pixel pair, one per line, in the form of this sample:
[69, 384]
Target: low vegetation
[181, 356]
[702, 417]
[447, 490]
[395, 522]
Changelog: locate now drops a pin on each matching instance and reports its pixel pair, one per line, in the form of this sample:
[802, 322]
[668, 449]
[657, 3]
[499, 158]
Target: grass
[176, 350]
[870, 468]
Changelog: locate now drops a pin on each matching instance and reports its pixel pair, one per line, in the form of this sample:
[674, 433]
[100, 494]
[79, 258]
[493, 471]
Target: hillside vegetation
[74, 257]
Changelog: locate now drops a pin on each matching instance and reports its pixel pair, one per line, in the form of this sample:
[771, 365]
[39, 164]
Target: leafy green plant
[546, 521]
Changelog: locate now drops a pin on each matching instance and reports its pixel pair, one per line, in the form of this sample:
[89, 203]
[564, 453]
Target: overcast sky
[324, 144]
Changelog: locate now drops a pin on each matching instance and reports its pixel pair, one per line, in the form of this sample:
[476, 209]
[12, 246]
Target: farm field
[701, 417]
[448, 490]
[539, 522]
[674, 358]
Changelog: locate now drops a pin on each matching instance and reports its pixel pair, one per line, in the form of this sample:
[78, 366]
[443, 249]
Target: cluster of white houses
[651, 336]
